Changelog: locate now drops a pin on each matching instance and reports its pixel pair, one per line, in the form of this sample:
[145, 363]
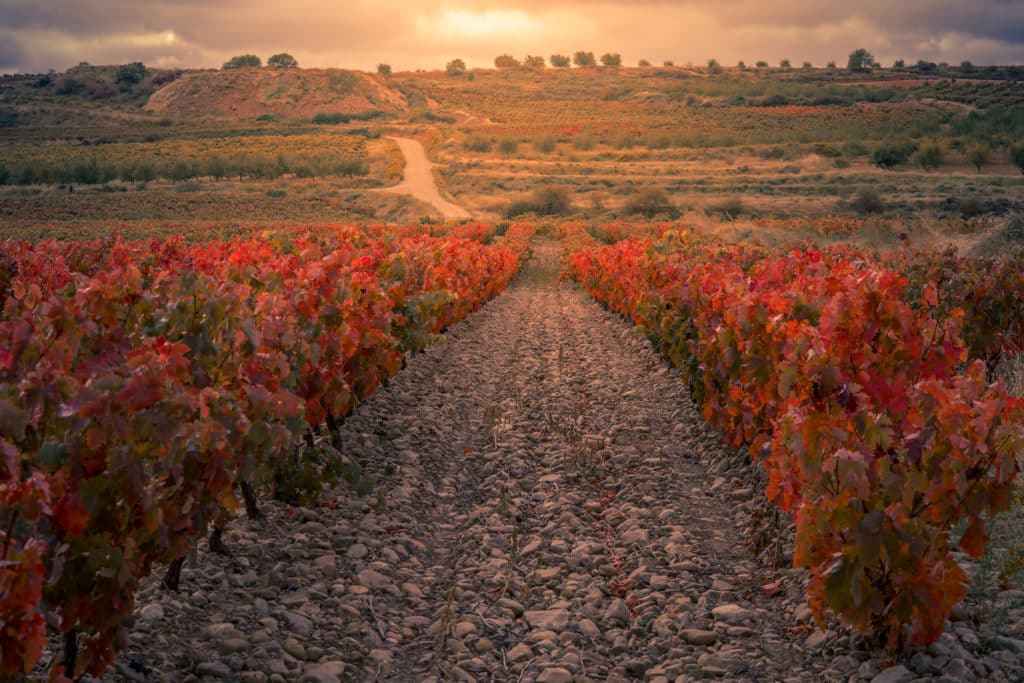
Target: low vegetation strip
[142, 383]
[855, 391]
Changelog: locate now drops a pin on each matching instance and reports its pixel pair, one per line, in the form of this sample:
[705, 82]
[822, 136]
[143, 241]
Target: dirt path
[419, 182]
[550, 507]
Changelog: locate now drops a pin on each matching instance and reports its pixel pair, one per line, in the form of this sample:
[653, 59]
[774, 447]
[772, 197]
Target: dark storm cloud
[409, 33]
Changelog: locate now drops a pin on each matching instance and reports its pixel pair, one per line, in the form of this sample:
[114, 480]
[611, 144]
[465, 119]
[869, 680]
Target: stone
[634, 536]
[152, 612]
[520, 652]
[555, 674]
[357, 551]
[617, 611]
[817, 639]
[894, 674]
[732, 614]
[464, 628]
[330, 671]
[298, 623]
[548, 619]
[374, 580]
[294, 648]
[215, 669]
[696, 636]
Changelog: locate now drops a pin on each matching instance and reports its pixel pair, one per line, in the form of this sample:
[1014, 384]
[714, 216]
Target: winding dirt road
[419, 181]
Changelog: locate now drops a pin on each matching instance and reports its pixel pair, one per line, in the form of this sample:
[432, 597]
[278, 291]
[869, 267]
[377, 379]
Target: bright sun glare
[464, 24]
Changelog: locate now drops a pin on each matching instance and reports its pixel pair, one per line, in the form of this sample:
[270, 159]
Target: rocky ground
[549, 507]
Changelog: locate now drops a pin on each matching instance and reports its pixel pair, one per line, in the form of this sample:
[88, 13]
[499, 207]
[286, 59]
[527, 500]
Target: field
[778, 305]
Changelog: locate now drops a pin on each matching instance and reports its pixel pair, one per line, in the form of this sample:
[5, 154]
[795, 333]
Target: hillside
[292, 93]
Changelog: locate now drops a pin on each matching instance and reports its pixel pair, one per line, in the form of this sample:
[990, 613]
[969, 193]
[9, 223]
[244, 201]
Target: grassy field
[78, 151]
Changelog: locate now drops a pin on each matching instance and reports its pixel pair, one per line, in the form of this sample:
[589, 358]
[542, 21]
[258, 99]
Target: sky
[36, 35]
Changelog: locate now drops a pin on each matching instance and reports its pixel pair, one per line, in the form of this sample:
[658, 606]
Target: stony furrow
[549, 507]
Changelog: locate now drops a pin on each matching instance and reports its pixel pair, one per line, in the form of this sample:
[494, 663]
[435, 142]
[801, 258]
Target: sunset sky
[38, 34]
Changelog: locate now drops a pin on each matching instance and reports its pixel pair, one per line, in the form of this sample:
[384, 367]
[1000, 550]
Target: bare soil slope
[294, 93]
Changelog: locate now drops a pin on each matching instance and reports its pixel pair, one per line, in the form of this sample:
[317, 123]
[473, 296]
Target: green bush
[560, 61]
[586, 141]
[456, 67]
[330, 118]
[506, 62]
[889, 155]
[132, 72]
[867, 201]
[545, 144]
[649, 202]
[730, 209]
[930, 156]
[544, 201]
[508, 145]
[611, 59]
[243, 62]
[384, 69]
[860, 60]
[978, 154]
[282, 60]
[584, 59]
[1016, 156]
[477, 143]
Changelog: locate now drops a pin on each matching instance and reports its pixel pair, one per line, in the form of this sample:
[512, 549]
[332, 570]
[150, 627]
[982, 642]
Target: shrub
[560, 61]
[784, 64]
[243, 62]
[930, 156]
[132, 72]
[282, 60]
[533, 62]
[831, 64]
[668, 62]
[978, 154]
[808, 66]
[477, 143]
[713, 66]
[611, 59]
[456, 67]
[584, 59]
[544, 201]
[889, 155]
[730, 209]
[649, 202]
[643, 63]
[586, 141]
[966, 67]
[860, 60]
[384, 69]
[8, 117]
[926, 67]
[625, 140]
[1016, 156]
[1014, 230]
[867, 201]
[508, 146]
[761, 64]
[545, 144]
[70, 86]
[898, 65]
[331, 118]
[741, 65]
[506, 62]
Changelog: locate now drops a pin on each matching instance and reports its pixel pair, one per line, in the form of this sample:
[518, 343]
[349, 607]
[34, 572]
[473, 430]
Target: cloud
[37, 34]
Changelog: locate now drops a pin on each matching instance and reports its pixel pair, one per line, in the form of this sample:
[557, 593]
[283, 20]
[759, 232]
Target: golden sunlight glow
[467, 24]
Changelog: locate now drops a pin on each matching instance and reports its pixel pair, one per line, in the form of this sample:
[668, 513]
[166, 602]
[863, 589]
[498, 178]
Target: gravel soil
[549, 507]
